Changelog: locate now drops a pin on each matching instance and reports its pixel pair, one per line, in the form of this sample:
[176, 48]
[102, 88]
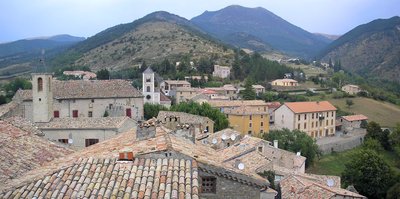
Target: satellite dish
[233, 137]
[330, 182]
[70, 141]
[224, 137]
[240, 166]
[214, 141]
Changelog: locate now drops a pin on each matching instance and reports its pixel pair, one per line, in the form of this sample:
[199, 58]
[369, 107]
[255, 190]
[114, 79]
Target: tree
[394, 192]
[394, 140]
[349, 103]
[295, 141]
[103, 74]
[369, 174]
[204, 109]
[374, 131]
[152, 110]
[248, 93]
[3, 99]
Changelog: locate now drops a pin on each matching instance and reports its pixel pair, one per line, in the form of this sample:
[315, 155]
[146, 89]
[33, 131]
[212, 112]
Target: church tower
[42, 96]
[150, 93]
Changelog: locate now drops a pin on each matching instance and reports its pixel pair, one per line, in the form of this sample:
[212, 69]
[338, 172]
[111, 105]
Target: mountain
[328, 36]
[22, 55]
[259, 23]
[370, 49]
[152, 38]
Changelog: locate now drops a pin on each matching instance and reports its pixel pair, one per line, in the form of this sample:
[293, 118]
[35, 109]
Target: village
[89, 138]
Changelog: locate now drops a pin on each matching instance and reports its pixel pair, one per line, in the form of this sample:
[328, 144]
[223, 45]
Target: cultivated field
[385, 113]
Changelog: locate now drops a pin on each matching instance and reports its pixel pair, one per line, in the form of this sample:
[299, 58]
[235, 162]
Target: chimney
[276, 143]
[126, 155]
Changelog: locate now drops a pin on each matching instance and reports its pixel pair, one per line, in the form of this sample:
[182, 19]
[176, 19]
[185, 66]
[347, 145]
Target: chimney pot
[275, 143]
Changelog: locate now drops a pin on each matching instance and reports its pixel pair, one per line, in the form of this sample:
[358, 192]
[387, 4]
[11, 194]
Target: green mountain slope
[370, 49]
[152, 38]
[262, 24]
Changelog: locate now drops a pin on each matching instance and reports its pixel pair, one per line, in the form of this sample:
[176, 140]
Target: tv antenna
[42, 61]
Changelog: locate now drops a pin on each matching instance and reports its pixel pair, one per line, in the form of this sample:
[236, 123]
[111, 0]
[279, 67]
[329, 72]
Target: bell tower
[42, 97]
[149, 89]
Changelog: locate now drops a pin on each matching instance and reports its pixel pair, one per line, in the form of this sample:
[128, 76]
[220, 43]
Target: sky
[21, 19]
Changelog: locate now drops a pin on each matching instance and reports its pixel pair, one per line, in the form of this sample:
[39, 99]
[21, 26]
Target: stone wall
[342, 143]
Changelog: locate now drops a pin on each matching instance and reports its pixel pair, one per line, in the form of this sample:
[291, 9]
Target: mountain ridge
[260, 23]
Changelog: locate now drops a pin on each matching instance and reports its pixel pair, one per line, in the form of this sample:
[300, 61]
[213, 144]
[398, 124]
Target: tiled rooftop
[79, 89]
[108, 178]
[22, 151]
[84, 123]
[177, 82]
[207, 157]
[93, 89]
[6, 108]
[351, 118]
[246, 110]
[24, 125]
[304, 187]
[185, 118]
[285, 80]
[233, 103]
[310, 107]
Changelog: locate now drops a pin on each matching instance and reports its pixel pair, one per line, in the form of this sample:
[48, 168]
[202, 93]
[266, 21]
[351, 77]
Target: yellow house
[249, 120]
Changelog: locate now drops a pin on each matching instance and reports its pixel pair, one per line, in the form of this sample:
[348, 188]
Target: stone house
[167, 85]
[272, 106]
[78, 133]
[221, 71]
[76, 98]
[85, 75]
[351, 89]
[317, 119]
[350, 122]
[249, 120]
[284, 82]
[171, 118]
[183, 94]
[258, 89]
[227, 90]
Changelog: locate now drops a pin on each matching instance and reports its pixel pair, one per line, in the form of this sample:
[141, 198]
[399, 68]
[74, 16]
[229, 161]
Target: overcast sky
[32, 18]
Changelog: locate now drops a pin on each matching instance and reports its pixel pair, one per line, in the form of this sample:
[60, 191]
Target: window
[208, 184]
[148, 79]
[64, 141]
[250, 125]
[261, 131]
[305, 125]
[251, 117]
[110, 106]
[312, 115]
[305, 116]
[92, 100]
[75, 113]
[332, 113]
[312, 124]
[298, 117]
[90, 114]
[327, 122]
[129, 112]
[262, 123]
[56, 114]
[89, 142]
[262, 116]
[331, 121]
[298, 126]
[249, 132]
[148, 89]
[40, 84]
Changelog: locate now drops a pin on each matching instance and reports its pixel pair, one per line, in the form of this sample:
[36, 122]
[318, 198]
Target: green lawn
[333, 164]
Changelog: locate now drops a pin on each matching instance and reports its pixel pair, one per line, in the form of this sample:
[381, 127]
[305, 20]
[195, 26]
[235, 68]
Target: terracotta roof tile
[236, 103]
[306, 186]
[22, 151]
[308, 107]
[84, 123]
[355, 117]
[246, 110]
[185, 118]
